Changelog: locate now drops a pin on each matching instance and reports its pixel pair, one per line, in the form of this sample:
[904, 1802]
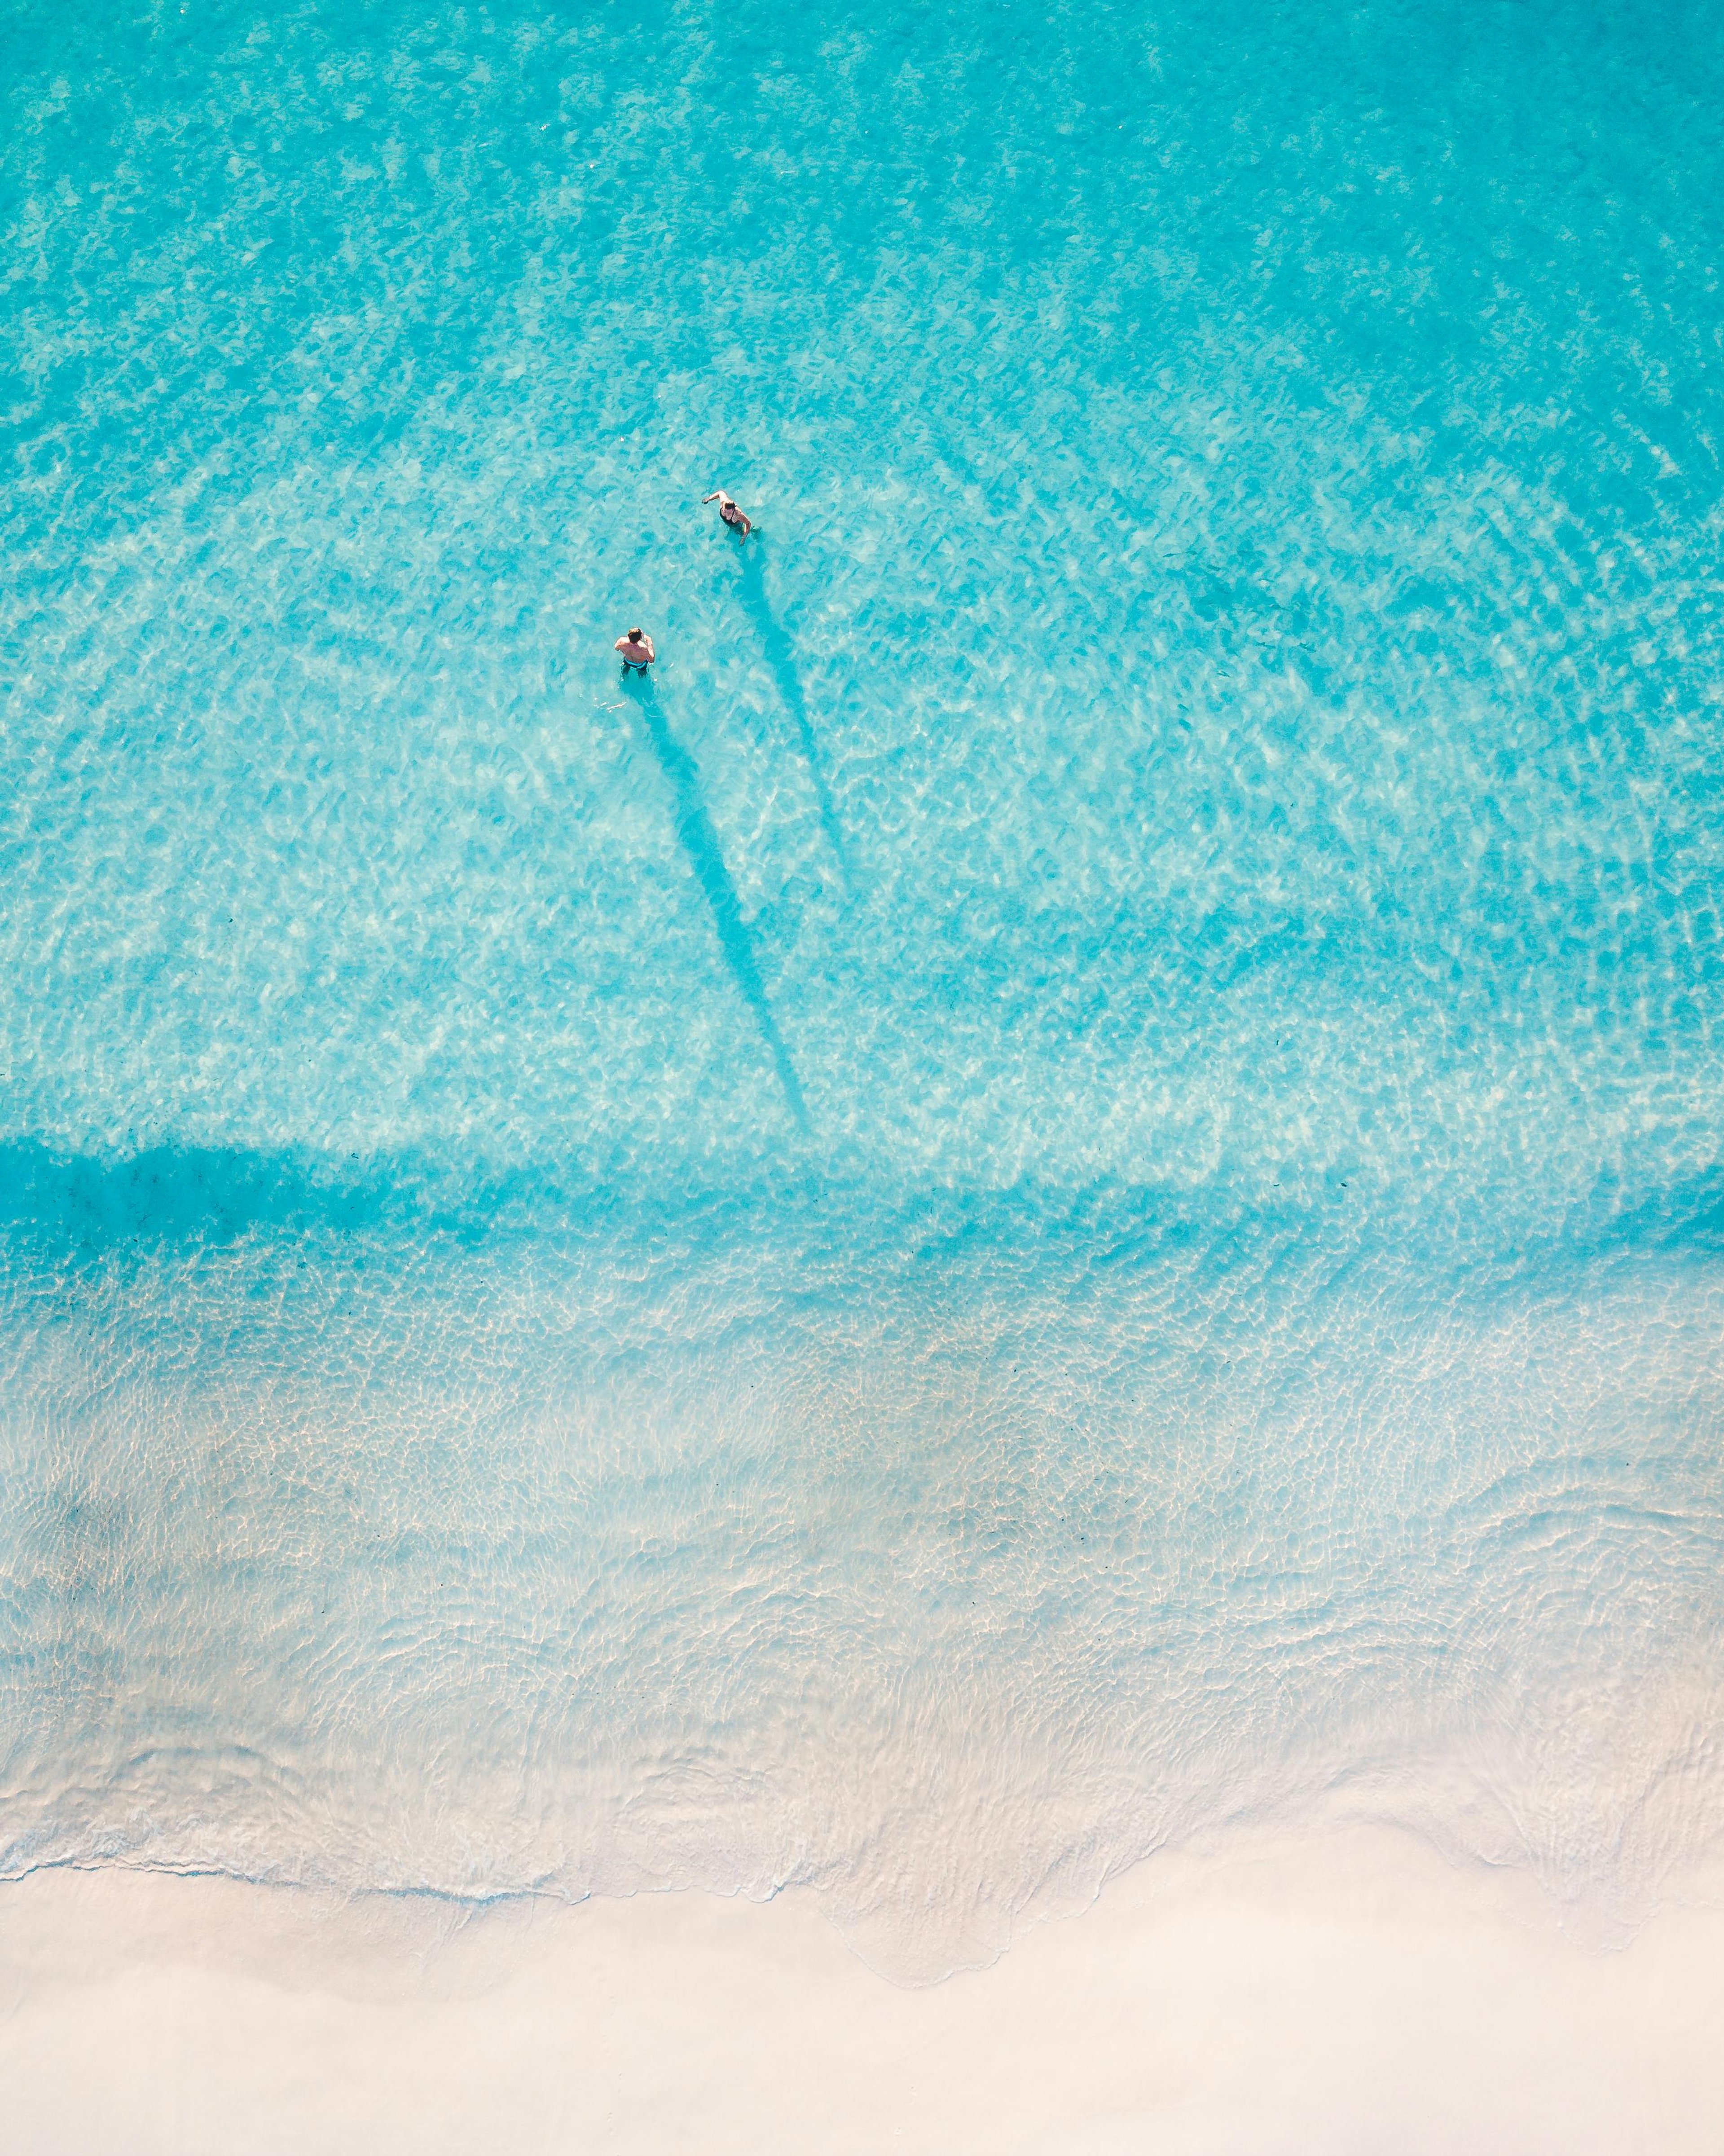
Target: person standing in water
[636, 650]
[731, 513]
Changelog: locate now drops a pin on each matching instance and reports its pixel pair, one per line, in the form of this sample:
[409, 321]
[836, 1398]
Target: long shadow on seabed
[782, 660]
[700, 841]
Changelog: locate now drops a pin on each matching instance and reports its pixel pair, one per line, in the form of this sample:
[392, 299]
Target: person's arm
[621, 644]
[650, 653]
[706, 498]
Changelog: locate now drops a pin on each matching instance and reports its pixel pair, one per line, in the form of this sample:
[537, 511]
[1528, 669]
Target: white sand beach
[1341, 1992]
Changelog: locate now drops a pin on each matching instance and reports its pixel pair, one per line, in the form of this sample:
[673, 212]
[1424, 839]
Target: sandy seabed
[1341, 1992]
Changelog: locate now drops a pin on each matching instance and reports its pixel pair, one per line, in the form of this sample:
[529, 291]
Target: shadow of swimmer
[782, 660]
[699, 842]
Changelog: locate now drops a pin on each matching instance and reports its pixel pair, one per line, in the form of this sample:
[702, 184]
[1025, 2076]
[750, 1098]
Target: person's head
[634, 636]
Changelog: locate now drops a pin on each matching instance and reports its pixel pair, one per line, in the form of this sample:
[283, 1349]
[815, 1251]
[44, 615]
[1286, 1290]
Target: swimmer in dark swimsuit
[636, 650]
[731, 513]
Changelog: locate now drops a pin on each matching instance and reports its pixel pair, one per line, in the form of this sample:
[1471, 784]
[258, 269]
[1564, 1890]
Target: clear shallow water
[1068, 1186]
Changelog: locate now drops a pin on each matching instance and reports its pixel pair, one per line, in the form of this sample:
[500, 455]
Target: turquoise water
[1067, 1185]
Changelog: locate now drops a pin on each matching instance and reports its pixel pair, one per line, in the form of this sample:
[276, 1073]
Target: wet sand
[1334, 1993]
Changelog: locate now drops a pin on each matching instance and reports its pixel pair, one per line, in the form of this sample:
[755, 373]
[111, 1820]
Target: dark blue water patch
[1684, 1218]
[846, 1241]
[60, 1209]
[184, 1195]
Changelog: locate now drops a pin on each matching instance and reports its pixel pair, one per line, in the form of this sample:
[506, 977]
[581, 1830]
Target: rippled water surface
[1067, 1184]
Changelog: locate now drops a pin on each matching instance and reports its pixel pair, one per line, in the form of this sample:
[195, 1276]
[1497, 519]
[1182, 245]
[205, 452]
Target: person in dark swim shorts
[636, 650]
